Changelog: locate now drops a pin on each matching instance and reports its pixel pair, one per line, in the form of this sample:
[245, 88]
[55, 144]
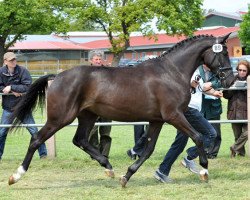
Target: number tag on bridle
[217, 48]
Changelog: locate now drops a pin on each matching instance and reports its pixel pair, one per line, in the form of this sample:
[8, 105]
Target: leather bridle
[220, 72]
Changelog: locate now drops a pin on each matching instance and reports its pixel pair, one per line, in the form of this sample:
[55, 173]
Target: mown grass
[73, 175]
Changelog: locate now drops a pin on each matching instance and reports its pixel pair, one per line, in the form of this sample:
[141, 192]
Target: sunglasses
[242, 70]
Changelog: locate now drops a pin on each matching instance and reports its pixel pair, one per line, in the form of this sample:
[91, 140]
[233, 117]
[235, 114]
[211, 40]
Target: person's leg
[42, 151]
[140, 135]
[239, 145]
[236, 130]
[3, 131]
[105, 139]
[208, 132]
[138, 132]
[200, 124]
[93, 137]
[139, 146]
[217, 142]
[175, 150]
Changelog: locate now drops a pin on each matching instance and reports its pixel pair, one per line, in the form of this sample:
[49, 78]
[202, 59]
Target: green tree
[19, 17]
[244, 32]
[82, 25]
[118, 18]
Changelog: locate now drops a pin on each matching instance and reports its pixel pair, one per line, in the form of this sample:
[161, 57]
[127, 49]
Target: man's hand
[194, 83]
[215, 93]
[207, 86]
[218, 94]
[7, 89]
[17, 94]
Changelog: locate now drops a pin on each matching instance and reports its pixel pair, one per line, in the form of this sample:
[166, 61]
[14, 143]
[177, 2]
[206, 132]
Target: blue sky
[226, 5]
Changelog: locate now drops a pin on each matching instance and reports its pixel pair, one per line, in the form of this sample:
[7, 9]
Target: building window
[133, 56]
[85, 55]
[105, 56]
[143, 54]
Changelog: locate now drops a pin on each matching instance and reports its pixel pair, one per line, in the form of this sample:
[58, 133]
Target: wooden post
[51, 147]
[51, 142]
[248, 112]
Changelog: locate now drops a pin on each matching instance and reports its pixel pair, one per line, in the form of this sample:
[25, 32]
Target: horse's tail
[29, 101]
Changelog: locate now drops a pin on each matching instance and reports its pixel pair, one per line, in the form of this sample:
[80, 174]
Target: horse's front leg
[152, 136]
[182, 123]
[86, 121]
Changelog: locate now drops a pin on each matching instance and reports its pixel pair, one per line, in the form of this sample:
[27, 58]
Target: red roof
[135, 41]
[218, 31]
[242, 12]
[162, 38]
[46, 45]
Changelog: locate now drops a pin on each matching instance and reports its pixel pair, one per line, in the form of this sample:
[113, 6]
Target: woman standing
[237, 110]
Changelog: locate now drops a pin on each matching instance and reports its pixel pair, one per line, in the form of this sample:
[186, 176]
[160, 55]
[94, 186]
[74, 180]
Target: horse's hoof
[204, 175]
[11, 180]
[123, 181]
[110, 173]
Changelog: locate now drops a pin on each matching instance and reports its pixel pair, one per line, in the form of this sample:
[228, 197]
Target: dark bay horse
[157, 91]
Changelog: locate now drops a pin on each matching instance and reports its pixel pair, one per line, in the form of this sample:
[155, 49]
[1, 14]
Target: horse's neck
[189, 58]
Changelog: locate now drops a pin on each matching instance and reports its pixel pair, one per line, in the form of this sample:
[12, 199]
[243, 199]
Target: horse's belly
[128, 114]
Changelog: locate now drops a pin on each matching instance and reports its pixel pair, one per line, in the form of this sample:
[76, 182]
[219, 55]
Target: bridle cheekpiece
[218, 48]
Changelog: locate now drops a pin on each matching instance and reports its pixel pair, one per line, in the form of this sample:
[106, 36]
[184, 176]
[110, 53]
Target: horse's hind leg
[152, 136]
[86, 121]
[42, 135]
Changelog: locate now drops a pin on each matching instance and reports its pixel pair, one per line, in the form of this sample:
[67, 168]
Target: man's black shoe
[131, 155]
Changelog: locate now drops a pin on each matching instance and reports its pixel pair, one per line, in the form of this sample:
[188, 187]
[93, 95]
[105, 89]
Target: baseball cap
[9, 56]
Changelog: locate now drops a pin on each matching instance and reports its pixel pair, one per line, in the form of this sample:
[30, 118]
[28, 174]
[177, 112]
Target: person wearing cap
[96, 59]
[14, 82]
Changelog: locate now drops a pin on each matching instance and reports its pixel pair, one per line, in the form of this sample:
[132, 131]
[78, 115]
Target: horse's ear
[223, 39]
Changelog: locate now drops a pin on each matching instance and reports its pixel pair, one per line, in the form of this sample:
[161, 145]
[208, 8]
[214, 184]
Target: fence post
[51, 142]
[248, 112]
[51, 147]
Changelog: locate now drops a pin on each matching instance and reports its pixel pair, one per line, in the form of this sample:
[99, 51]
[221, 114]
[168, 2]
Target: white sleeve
[193, 77]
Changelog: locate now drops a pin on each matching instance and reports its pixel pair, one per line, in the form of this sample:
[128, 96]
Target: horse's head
[216, 58]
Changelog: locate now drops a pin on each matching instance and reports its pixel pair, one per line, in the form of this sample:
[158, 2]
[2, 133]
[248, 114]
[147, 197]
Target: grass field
[73, 175]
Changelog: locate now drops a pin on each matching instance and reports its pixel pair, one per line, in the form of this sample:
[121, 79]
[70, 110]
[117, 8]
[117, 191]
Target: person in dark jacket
[237, 110]
[14, 82]
[211, 107]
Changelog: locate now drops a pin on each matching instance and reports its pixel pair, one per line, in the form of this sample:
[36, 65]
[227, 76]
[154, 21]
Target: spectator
[140, 138]
[96, 59]
[211, 107]
[237, 110]
[195, 118]
[14, 80]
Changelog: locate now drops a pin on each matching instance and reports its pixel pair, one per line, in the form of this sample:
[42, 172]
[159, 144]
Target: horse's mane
[181, 43]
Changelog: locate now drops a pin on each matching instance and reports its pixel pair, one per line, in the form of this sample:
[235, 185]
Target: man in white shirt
[196, 119]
